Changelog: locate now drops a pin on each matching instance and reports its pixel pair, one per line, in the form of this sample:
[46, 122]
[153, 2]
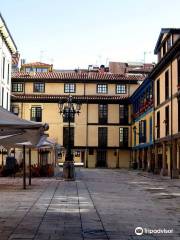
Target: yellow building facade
[166, 77]
[101, 133]
[122, 123]
[142, 127]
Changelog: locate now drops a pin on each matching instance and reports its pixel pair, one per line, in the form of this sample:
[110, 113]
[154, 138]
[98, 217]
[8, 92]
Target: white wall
[6, 81]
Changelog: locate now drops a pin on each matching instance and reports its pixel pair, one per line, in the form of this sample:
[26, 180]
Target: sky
[76, 33]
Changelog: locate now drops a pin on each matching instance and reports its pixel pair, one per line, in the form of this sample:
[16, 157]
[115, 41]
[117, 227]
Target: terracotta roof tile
[58, 97]
[75, 76]
[40, 64]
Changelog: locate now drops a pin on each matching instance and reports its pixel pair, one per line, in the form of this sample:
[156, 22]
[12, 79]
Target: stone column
[149, 159]
[164, 170]
[137, 158]
[156, 169]
[175, 170]
[143, 159]
[132, 159]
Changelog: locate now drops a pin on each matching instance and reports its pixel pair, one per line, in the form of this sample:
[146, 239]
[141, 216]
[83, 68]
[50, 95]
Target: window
[158, 92]
[120, 88]
[102, 136]
[39, 87]
[17, 87]
[123, 114]
[123, 137]
[3, 67]
[102, 88]
[69, 88]
[166, 84]
[164, 48]
[66, 136]
[66, 117]
[36, 114]
[167, 120]
[142, 131]
[151, 92]
[169, 42]
[150, 129]
[28, 69]
[15, 109]
[103, 113]
[41, 69]
[158, 124]
[178, 70]
[134, 131]
[91, 151]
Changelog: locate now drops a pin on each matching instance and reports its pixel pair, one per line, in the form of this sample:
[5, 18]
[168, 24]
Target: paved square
[101, 204]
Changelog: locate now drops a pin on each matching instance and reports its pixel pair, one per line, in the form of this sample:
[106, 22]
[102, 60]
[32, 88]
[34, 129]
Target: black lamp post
[68, 109]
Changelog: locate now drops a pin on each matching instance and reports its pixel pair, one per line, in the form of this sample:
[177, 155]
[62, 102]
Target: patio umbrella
[14, 131]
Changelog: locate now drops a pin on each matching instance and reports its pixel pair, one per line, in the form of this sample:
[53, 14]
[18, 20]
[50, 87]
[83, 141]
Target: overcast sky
[76, 33]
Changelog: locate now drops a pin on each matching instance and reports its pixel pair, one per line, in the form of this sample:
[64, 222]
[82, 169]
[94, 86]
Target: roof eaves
[6, 27]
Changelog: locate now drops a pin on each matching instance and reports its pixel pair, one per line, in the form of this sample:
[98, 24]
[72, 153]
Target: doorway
[101, 158]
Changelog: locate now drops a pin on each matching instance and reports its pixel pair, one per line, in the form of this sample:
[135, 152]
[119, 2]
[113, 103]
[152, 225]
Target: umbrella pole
[29, 166]
[24, 167]
[2, 159]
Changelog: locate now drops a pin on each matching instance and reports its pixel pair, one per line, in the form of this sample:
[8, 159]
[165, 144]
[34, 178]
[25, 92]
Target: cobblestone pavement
[101, 204]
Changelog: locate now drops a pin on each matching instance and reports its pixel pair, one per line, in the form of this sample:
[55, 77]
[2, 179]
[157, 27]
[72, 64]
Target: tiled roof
[39, 64]
[15, 58]
[75, 76]
[59, 97]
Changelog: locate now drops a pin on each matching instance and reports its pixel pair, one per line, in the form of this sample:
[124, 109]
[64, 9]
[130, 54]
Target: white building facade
[7, 48]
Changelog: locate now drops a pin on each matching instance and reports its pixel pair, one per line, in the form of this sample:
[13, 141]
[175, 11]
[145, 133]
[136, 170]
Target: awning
[15, 130]
[10, 120]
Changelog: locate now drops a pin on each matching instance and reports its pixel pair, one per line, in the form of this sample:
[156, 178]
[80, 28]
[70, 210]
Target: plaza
[89, 149]
[99, 204]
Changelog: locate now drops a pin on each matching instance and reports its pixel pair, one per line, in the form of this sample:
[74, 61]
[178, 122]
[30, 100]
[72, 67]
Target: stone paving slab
[101, 204]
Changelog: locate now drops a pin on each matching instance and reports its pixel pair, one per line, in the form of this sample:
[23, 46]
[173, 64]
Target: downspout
[22, 105]
[171, 126]
[87, 116]
[154, 127]
[87, 111]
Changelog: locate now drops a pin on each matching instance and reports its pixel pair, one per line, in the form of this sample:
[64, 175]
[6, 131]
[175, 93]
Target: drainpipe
[87, 115]
[171, 126]
[87, 112]
[154, 127]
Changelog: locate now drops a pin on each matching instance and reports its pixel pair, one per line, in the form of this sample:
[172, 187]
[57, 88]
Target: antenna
[145, 53]
[107, 60]
[41, 55]
[51, 60]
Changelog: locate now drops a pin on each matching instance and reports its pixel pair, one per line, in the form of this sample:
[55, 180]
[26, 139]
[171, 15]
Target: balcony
[143, 108]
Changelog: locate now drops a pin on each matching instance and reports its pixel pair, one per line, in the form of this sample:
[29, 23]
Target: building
[15, 62]
[101, 133]
[131, 68]
[142, 127]
[36, 67]
[7, 48]
[166, 78]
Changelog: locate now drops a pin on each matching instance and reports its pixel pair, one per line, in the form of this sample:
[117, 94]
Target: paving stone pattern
[101, 204]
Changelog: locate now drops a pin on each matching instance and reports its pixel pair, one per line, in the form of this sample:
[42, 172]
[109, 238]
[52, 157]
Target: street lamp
[68, 109]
